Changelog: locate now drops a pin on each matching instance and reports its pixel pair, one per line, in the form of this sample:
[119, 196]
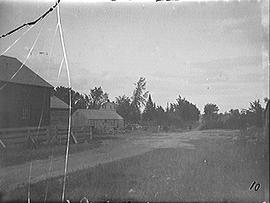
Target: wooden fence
[77, 135]
[43, 135]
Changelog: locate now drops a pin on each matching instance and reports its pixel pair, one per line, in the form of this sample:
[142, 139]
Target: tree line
[255, 116]
[139, 108]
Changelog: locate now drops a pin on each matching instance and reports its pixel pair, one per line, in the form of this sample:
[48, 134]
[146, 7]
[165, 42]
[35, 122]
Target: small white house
[106, 119]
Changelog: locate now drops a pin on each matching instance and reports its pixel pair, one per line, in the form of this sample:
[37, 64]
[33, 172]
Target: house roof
[57, 103]
[98, 114]
[8, 68]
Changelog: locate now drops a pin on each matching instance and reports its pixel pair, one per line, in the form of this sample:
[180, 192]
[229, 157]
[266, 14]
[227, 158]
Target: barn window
[25, 112]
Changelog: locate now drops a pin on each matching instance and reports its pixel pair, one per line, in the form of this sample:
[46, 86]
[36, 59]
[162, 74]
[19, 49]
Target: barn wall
[3, 106]
[78, 119]
[106, 125]
[59, 117]
[24, 106]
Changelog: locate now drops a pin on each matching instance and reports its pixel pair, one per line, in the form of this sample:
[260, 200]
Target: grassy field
[218, 170]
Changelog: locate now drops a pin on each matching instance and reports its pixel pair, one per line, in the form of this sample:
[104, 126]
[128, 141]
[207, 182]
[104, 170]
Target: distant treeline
[141, 109]
[235, 119]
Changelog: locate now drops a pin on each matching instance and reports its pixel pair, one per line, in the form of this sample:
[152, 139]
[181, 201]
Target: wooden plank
[62, 129]
[22, 132]
[62, 133]
[53, 139]
[39, 135]
[17, 141]
[13, 132]
[6, 130]
[38, 131]
[73, 138]
[11, 136]
[2, 144]
[9, 131]
[32, 141]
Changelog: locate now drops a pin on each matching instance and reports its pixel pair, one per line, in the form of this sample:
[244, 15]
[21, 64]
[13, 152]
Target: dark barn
[59, 112]
[24, 96]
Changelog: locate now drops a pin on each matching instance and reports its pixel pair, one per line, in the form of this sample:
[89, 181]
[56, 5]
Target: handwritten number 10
[257, 186]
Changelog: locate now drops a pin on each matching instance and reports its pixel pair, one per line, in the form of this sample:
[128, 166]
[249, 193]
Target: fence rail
[43, 135]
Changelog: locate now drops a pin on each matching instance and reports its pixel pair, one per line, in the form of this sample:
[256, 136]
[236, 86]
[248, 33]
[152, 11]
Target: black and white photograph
[134, 101]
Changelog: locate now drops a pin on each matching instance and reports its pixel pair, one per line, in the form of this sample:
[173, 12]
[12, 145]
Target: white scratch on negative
[69, 85]
[28, 55]
[17, 39]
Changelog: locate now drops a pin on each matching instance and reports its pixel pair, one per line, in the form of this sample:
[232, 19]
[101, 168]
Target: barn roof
[9, 66]
[98, 114]
[57, 103]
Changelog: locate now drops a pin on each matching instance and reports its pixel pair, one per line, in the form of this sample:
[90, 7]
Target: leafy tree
[135, 114]
[256, 113]
[77, 99]
[149, 111]
[266, 100]
[181, 113]
[140, 94]
[211, 118]
[266, 116]
[174, 120]
[210, 111]
[243, 119]
[123, 107]
[187, 111]
[63, 93]
[96, 98]
[234, 121]
[138, 99]
[80, 102]
[87, 101]
[160, 116]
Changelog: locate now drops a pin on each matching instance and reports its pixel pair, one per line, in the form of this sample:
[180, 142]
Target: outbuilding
[104, 120]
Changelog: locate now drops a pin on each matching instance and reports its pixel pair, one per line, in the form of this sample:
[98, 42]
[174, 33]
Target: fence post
[52, 134]
[30, 139]
[48, 132]
[73, 137]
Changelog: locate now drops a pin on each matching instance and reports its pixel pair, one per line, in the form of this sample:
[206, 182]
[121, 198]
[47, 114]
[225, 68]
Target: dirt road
[110, 150]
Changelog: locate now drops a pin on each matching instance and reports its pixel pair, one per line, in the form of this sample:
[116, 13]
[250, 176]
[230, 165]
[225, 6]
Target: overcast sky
[206, 52]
